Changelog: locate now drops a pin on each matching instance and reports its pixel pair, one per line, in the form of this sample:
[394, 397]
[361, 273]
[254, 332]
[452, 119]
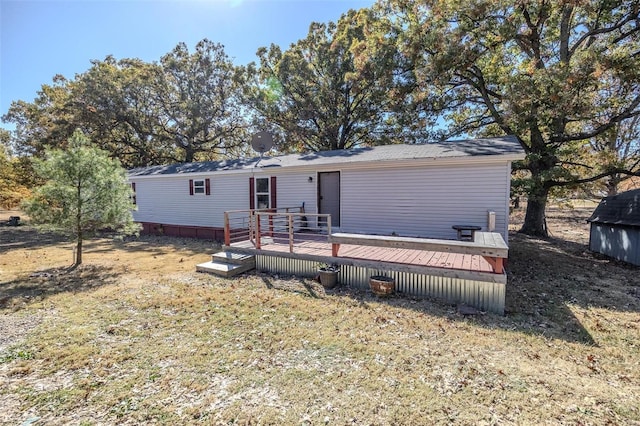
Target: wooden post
[329, 224]
[334, 249]
[258, 245]
[497, 263]
[227, 231]
[271, 223]
[290, 219]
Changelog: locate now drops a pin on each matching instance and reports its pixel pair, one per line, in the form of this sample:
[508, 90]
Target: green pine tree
[85, 191]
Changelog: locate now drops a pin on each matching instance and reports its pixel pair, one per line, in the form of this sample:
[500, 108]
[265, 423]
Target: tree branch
[610, 172]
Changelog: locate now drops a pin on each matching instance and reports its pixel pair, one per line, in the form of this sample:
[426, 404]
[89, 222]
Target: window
[262, 193]
[133, 193]
[198, 186]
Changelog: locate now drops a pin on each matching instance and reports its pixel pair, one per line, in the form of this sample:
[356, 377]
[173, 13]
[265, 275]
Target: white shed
[417, 190]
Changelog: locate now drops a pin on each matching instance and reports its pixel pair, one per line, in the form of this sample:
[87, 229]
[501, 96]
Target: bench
[466, 232]
[489, 245]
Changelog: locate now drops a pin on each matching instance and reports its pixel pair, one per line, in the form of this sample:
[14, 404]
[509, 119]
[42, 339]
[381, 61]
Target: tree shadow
[554, 322]
[29, 238]
[26, 237]
[305, 287]
[156, 244]
[20, 292]
[548, 272]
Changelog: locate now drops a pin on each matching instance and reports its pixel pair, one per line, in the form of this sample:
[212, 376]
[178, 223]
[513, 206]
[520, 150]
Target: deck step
[233, 258]
[228, 264]
[223, 269]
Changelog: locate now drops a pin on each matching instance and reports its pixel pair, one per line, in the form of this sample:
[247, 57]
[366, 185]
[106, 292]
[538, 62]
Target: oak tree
[556, 74]
[326, 91]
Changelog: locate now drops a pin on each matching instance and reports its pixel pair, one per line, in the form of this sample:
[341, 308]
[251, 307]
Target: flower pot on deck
[328, 277]
[382, 286]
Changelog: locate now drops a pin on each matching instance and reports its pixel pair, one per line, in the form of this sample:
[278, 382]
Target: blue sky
[42, 38]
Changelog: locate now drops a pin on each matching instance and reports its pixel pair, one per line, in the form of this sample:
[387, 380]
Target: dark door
[329, 196]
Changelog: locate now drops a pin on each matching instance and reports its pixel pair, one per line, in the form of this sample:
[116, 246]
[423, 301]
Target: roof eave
[453, 160]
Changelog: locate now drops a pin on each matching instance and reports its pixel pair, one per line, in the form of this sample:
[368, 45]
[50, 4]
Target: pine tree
[85, 191]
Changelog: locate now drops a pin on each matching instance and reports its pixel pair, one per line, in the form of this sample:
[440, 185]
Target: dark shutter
[190, 186]
[133, 188]
[273, 193]
[252, 194]
[207, 186]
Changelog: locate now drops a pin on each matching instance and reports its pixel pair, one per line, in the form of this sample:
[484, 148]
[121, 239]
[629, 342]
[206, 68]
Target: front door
[329, 196]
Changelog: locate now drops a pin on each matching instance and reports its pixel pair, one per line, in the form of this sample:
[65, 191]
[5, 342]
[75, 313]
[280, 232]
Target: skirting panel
[486, 296]
[201, 232]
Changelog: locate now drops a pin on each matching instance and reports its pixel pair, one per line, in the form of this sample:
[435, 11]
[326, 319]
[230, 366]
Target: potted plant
[328, 275]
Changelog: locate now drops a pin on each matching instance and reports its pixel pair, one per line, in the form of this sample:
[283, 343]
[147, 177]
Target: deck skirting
[483, 295]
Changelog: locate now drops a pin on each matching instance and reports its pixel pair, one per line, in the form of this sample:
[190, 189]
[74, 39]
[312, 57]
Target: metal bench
[466, 232]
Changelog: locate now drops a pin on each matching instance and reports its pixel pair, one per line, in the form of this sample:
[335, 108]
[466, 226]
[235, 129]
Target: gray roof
[622, 209]
[506, 145]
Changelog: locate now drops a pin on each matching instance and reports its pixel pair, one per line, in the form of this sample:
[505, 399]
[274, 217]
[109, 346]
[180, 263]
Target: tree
[619, 149]
[187, 107]
[326, 91]
[15, 179]
[48, 121]
[200, 98]
[557, 74]
[85, 192]
[116, 102]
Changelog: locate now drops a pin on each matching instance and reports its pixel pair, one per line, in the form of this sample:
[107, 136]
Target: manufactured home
[420, 190]
[433, 218]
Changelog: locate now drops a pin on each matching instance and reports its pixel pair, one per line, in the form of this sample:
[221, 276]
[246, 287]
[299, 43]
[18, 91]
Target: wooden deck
[317, 246]
[469, 272]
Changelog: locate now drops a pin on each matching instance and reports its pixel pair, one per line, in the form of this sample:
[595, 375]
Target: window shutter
[207, 186]
[273, 192]
[190, 186]
[133, 188]
[252, 194]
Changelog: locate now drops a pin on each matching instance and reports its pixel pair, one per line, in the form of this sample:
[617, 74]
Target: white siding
[292, 189]
[166, 200]
[411, 201]
[424, 201]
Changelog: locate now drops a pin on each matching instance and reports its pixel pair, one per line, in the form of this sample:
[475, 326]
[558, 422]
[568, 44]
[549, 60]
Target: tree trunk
[189, 153]
[611, 184]
[78, 261]
[535, 220]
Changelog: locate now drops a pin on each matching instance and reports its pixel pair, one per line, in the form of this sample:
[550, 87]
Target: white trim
[508, 202]
[256, 193]
[203, 187]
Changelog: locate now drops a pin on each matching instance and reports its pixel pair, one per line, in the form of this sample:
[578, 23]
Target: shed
[615, 227]
[417, 190]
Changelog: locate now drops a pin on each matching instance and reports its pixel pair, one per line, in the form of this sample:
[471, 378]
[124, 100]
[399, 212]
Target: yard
[136, 336]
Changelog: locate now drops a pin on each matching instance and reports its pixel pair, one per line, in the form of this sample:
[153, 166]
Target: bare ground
[136, 336]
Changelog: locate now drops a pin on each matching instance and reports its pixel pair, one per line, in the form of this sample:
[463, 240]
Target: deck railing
[286, 227]
[284, 222]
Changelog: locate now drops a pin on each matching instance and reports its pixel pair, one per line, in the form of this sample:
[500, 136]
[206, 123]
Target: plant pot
[382, 286]
[328, 279]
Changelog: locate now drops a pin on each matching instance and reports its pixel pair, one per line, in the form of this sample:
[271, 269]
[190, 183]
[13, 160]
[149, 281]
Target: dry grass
[136, 336]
